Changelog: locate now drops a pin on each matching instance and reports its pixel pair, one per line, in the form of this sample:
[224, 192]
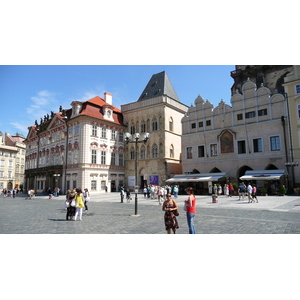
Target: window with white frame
[94, 156]
[275, 143]
[113, 134]
[76, 130]
[257, 145]
[103, 135]
[213, 150]
[121, 137]
[298, 110]
[103, 158]
[297, 88]
[189, 152]
[121, 159]
[93, 185]
[94, 130]
[113, 159]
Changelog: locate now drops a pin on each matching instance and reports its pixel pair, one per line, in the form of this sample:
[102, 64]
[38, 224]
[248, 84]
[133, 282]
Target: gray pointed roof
[159, 85]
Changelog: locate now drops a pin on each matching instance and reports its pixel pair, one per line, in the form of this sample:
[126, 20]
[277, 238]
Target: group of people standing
[76, 200]
[249, 190]
[170, 208]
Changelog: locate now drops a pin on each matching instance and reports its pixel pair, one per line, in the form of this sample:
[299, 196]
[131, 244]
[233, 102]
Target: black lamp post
[136, 139]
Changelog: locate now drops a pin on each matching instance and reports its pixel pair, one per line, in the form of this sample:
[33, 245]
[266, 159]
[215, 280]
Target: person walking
[169, 207]
[128, 196]
[242, 190]
[145, 192]
[226, 190]
[230, 189]
[86, 196]
[79, 204]
[254, 193]
[249, 192]
[175, 191]
[190, 207]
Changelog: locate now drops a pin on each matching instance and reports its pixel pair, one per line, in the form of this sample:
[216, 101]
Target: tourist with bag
[190, 205]
[171, 211]
[86, 196]
[79, 204]
[70, 204]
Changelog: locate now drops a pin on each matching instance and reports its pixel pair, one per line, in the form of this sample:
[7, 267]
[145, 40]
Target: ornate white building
[79, 147]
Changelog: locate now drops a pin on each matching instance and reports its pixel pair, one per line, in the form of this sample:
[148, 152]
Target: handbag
[67, 204]
[175, 212]
[73, 203]
[184, 206]
[87, 199]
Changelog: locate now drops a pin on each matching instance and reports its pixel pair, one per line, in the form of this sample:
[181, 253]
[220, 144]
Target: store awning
[263, 175]
[196, 177]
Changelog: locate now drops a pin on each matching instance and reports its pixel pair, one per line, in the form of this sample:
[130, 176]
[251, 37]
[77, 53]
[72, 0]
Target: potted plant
[263, 192]
[282, 190]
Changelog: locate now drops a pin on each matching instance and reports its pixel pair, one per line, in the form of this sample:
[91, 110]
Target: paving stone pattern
[44, 216]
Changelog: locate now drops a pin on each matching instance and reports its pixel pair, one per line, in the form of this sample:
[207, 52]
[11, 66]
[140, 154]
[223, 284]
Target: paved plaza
[107, 215]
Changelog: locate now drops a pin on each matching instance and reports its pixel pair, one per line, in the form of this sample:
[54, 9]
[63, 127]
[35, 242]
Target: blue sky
[28, 92]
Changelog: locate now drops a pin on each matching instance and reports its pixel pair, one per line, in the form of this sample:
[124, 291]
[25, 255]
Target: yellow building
[158, 111]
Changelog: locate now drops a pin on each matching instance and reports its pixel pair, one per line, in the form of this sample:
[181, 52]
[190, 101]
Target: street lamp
[136, 139]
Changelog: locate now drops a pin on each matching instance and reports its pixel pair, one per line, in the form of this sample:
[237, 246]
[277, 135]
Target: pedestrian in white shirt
[249, 190]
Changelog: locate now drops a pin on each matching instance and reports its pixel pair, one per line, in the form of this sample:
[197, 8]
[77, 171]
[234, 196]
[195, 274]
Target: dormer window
[108, 112]
[76, 108]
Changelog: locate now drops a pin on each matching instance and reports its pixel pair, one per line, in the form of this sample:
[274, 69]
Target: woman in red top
[191, 210]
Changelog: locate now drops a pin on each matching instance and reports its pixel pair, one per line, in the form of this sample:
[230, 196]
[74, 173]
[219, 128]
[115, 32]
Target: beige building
[158, 111]
[231, 139]
[292, 89]
[78, 147]
[12, 161]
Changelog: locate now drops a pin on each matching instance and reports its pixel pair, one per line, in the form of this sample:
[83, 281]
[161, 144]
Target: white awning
[196, 177]
[263, 175]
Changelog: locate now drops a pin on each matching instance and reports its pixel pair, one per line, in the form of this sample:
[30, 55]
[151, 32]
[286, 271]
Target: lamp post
[136, 139]
[293, 165]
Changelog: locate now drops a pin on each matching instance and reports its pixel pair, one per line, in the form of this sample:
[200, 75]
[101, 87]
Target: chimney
[108, 98]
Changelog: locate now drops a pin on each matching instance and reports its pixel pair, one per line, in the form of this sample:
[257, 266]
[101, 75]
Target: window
[208, 123]
[76, 130]
[94, 156]
[132, 153]
[297, 88]
[76, 156]
[70, 132]
[189, 152]
[298, 109]
[193, 125]
[171, 124]
[201, 151]
[1, 173]
[275, 143]
[93, 185]
[154, 151]
[250, 114]
[143, 127]
[213, 150]
[241, 147]
[262, 112]
[103, 135]
[121, 159]
[121, 137]
[103, 158]
[132, 129]
[9, 174]
[154, 125]
[113, 135]
[239, 117]
[94, 130]
[172, 151]
[2, 163]
[257, 145]
[200, 124]
[113, 159]
[143, 152]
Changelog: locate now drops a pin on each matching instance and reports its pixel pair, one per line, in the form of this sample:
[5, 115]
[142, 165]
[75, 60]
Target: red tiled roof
[99, 101]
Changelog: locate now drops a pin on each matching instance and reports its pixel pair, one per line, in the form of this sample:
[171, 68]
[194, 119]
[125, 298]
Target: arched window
[171, 124]
[172, 151]
[154, 151]
[143, 127]
[143, 152]
[132, 153]
[132, 129]
[154, 125]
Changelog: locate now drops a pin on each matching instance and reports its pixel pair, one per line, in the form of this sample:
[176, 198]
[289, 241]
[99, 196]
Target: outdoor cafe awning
[263, 175]
[196, 177]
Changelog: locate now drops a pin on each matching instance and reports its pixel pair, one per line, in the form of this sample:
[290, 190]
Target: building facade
[78, 147]
[158, 111]
[249, 134]
[292, 94]
[12, 161]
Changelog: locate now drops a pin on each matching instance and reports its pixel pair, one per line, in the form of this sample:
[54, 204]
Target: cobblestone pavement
[107, 215]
